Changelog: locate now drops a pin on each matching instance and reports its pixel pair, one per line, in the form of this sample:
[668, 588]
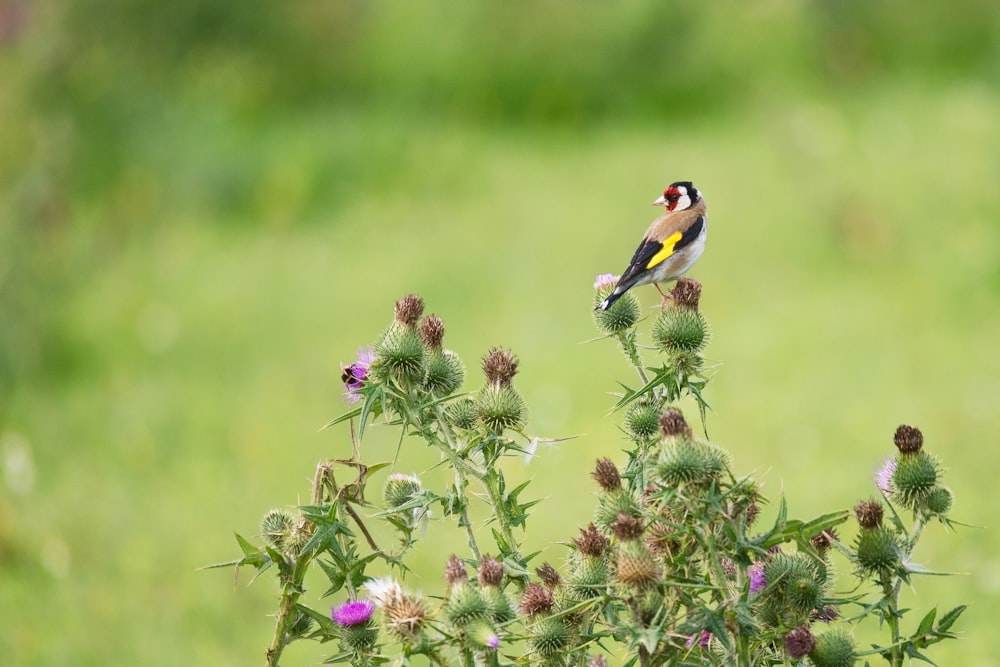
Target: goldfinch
[671, 245]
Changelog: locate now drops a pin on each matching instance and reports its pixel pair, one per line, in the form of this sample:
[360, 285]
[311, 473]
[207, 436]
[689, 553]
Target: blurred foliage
[198, 198]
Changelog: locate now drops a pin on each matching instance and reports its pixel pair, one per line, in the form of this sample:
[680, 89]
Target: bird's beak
[662, 201]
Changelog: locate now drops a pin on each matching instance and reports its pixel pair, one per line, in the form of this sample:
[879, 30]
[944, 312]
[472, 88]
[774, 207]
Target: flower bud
[833, 649]
[549, 637]
[915, 477]
[589, 577]
[400, 489]
[939, 500]
[490, 572]
[686, 461]
[482, 635]
[680, 330]
[877, 550]
[627, 527]
[276, 527]
[498, 605]
[455, 572]
[621, 315]
[464, 605]
[636, 567]
[500, 407]
[642, 421]
[445, 372]
[463, 413]
[612, 503]
[400, 355]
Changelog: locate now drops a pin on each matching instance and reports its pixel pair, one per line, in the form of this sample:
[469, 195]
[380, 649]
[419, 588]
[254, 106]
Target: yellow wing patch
[666, 251]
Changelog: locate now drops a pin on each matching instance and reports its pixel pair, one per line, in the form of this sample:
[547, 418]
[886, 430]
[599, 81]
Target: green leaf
[949, 619]
[251, 554]
[322, 620]
[926, 623]
[912, 651]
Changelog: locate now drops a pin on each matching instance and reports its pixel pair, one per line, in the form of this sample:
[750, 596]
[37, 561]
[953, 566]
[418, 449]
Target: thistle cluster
[673, 568]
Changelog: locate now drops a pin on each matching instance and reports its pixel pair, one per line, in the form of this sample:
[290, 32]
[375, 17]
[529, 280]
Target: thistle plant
[673, 569]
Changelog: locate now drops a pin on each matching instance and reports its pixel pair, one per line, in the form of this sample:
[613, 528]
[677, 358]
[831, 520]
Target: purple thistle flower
[354, 376]
[883, 476]
[352, 613]
[757, 579]
[702, 639]
[493, 641]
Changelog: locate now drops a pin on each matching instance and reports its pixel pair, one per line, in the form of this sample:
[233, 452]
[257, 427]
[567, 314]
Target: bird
[671, 245]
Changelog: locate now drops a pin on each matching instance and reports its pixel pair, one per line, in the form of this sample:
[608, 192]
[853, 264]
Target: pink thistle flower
[354, 376]
[605, 280]
[883, 476]
[352, 613]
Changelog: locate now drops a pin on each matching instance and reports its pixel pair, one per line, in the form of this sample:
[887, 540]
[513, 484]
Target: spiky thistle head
[432, 332]
[499, 366]
[408, 310]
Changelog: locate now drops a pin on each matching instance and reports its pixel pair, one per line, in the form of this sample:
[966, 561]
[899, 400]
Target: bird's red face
[678, 196]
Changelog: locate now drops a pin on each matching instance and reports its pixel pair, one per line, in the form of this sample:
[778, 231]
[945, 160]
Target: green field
[205, 211]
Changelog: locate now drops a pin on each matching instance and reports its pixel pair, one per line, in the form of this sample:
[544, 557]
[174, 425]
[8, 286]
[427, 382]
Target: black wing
[649, 248]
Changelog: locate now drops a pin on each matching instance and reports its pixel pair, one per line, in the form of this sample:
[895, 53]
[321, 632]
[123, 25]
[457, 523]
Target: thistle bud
[463, 413]
[833, 649]
[408, 310]
[939, 500]
[621, 315]
[642, 421]
[432, 332]
[589, 577]
[445, 372]
[611, 504]
[914, 479]
[686, 461]
[500, 407]
[877, 551]
[482, 635]
[824, 540]
[549, 638]
[908, 439]
[464, 605]
[607, 476]
[276, 527]
[400, 355]
[636, 567]
[400, 489]
[680, 331]
[686, 293]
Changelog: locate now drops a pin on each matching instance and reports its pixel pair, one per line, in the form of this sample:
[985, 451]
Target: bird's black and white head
[679, 196]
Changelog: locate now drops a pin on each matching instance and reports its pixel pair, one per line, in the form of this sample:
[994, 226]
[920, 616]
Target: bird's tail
[614, 296]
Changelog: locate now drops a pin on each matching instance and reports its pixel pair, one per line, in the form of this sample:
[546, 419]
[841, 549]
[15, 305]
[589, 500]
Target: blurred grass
[206, 209]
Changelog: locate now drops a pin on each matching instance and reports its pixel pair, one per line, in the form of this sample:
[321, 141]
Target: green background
[205, 208]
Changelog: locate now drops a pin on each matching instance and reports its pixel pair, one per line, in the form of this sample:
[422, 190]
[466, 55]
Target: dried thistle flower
[432, 332]
[869, 513]
[686, 293]
[454, 571]
[607, 476]
[627, 527]
[409, 309]
[490, 571]
[908, 439]
[799, 642]
[591, 542]
[499, 366]
[549, 576]
[536, 599]
[672, 423]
